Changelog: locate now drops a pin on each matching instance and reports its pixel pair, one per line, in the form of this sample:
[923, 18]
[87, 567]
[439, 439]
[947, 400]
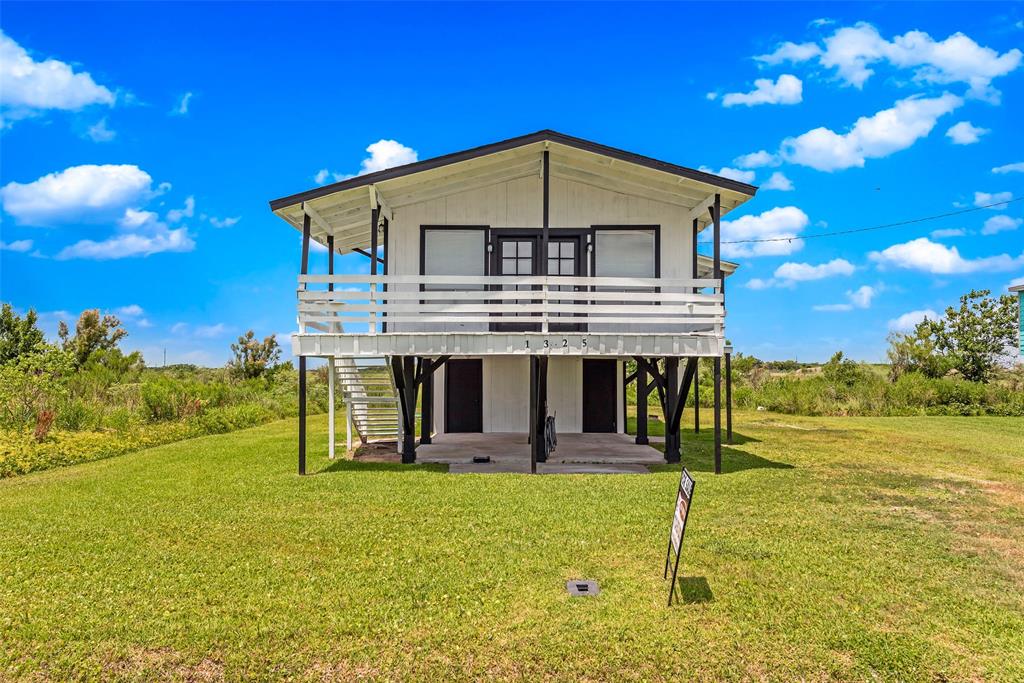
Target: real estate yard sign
[679, 514]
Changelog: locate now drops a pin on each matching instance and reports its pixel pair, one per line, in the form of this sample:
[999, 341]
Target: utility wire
[898, 224]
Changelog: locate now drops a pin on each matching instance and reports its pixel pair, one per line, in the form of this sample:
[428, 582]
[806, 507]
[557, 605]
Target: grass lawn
[832, 548]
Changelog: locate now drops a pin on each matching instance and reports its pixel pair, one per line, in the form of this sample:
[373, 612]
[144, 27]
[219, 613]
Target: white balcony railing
[382, 304]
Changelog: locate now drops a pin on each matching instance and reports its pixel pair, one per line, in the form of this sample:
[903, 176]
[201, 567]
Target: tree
[973, 339]
[980, 334]
[917, 351]
[253, 357]
[92, 333]
[18, 336]
[32, 383]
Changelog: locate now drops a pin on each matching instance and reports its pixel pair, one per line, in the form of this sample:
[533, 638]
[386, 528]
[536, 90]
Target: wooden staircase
[371, 401]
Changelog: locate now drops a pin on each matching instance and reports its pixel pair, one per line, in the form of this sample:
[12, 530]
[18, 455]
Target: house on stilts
[509, 284]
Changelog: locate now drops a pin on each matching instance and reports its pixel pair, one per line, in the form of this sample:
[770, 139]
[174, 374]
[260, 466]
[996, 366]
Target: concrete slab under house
[507, 287]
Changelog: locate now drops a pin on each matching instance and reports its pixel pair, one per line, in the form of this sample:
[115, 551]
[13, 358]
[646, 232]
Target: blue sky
[141, 143]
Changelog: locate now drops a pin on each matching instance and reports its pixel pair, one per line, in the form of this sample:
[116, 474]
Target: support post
[409, 409]
[304, 270]
[641, 405]
[718, 415]
[728, 396]
[302, 414]
[696, 401]
[693, 264]
[330, 408]
[374, 214]
[539, 368]
[427, 407]
[672, 453]
[348, 425]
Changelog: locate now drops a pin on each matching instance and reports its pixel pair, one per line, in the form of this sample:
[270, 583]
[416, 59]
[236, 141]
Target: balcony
[375, 315]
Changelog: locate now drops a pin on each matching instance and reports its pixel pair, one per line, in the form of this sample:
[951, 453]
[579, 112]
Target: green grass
[831, 548]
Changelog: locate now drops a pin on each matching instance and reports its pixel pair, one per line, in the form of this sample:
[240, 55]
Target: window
[453, 252]
[624, 253]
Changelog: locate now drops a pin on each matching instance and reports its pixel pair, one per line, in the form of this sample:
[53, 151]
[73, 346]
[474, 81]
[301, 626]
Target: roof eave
[512, 143]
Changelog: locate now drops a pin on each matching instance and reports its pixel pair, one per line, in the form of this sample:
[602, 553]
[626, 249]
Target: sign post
[675, 539]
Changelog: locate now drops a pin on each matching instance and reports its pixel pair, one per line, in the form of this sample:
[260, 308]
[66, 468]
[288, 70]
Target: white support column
[330, 407]
[348, 425]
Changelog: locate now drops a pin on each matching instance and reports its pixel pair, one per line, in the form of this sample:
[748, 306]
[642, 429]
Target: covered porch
[586, 453]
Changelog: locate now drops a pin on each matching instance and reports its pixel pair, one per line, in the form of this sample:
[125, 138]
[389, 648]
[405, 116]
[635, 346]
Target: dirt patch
[164, 663]
[377, 451]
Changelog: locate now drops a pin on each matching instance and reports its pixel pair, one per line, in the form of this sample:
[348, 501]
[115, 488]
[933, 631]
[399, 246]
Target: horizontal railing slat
[481, 280]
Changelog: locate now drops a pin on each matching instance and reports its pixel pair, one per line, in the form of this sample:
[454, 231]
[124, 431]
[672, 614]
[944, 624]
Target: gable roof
[546, 135]
[342, 210]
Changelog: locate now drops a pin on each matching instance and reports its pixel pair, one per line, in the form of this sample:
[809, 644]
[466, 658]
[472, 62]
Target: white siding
[506, 394]
[565, 393]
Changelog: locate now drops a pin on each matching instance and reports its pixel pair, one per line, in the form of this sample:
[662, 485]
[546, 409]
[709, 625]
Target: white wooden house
[511, 282]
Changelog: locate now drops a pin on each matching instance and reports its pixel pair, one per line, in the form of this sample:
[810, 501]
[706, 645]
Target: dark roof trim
[512, 143]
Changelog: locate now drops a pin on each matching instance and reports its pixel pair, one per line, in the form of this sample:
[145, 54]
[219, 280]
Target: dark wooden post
[696, 401]
[545, 232]
[718, 415]
[409, 426]
[695, 272]
[539, 368]
[641, 405]
[304, 270]
[427, 406]
[728, 395]
[672, 453]
[384, 287]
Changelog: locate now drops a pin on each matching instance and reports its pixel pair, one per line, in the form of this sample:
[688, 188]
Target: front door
[464, 395]
[599, 395]
[517, 252]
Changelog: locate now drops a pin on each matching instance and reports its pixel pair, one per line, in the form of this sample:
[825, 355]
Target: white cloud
[129, 245]
[199, 331]
[824, 21]
[948, 232]
[181, 108]
[1000, 223]
[788, 274]
[778, 181]
[857, 298]
[757, 159]
[383, 154]
[871, 137]
[790, 52]
[931, 257]
[210, 331]
[989, 198]
[733, 173]
[964, 133]
[862, 296]
[781, 223]
[130, 311]
[17, 245]
[1017, 167]
[224, 222]
[189, 210]
[957, 59]
[88, 193]
[908, 321]
[803, 272]
[786, 89]
[387, 154]
[30, 87]
[98, 132]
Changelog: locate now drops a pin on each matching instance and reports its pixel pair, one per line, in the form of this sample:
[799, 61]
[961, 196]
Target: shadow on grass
[371, 466]
[693, 590]
[657, 428]
[698, 456]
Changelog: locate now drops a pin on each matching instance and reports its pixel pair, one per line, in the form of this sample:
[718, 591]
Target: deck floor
[510, 452]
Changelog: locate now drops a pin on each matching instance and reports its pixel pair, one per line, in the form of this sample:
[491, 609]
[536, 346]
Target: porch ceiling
[343, 209]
